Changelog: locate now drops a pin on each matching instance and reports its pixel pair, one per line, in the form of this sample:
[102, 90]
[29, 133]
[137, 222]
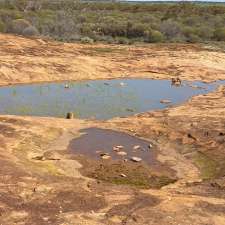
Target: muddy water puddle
[96, 143]
[100, 99]
[109, 144]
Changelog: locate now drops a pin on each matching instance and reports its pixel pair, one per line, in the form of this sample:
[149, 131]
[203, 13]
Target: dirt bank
[25, 60]
[41, 182]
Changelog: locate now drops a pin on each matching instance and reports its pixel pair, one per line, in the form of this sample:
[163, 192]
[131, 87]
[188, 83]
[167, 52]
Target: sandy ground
[41, 182]
[25, 60]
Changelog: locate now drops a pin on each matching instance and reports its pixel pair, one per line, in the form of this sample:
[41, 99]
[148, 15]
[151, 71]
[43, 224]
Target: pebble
[119, 146]
[123, 175]
[136, 147]
[150, 146]
[136, 159]
[116, 149]
[122, 84]
[121, 153]
[106, 157]
[165, 101]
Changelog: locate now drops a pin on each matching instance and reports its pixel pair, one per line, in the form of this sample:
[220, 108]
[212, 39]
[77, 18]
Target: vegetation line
[114, 22]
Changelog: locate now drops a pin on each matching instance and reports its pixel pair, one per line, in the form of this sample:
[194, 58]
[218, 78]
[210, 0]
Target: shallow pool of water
[95, 142]
[101, 99]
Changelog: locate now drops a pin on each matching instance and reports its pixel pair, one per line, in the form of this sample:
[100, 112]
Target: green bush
[170, 29]
[2, 26]
[135, 30]
[86, 40]
[30, 31]
[153, 36]
[219, 34]
[188, 32]
[193, 38]
[123, 41]
[204, 32]
[114, 22]
[19, 25]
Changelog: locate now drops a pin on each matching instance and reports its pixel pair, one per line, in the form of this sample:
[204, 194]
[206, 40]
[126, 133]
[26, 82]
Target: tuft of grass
[143, 182]
[138, 175]
[208, 167]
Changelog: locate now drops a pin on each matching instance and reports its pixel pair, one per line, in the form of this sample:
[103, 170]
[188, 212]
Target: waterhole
[100, 99]
[98, 143]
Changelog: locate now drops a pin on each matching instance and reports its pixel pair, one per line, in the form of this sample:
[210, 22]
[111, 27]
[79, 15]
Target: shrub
[86, 40]
[170, 29]
[219, 34]
[153, 36]
[2, 26]
[19, 25]
[188, 31]
[116, 28]
[30, 31]
[204, 32]
[114, 21]
[123, 41]
[135, 30]
[193, 38]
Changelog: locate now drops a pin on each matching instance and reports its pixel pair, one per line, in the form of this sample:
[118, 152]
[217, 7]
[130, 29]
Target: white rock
[116, 149]
[106, 157]
[121, 153]
[136, 159]
[136, 147]
[123, 175]
[119, 146]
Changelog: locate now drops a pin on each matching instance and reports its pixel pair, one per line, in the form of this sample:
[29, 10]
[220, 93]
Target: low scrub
[114, 22]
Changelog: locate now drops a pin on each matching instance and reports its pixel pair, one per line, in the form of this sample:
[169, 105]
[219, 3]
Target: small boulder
[136, 159]
[165, 101]
[123, 175]
[136, 147]
[176, 81]
[116, 149]
[105, 156]
[69, 115]
[121, 153]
